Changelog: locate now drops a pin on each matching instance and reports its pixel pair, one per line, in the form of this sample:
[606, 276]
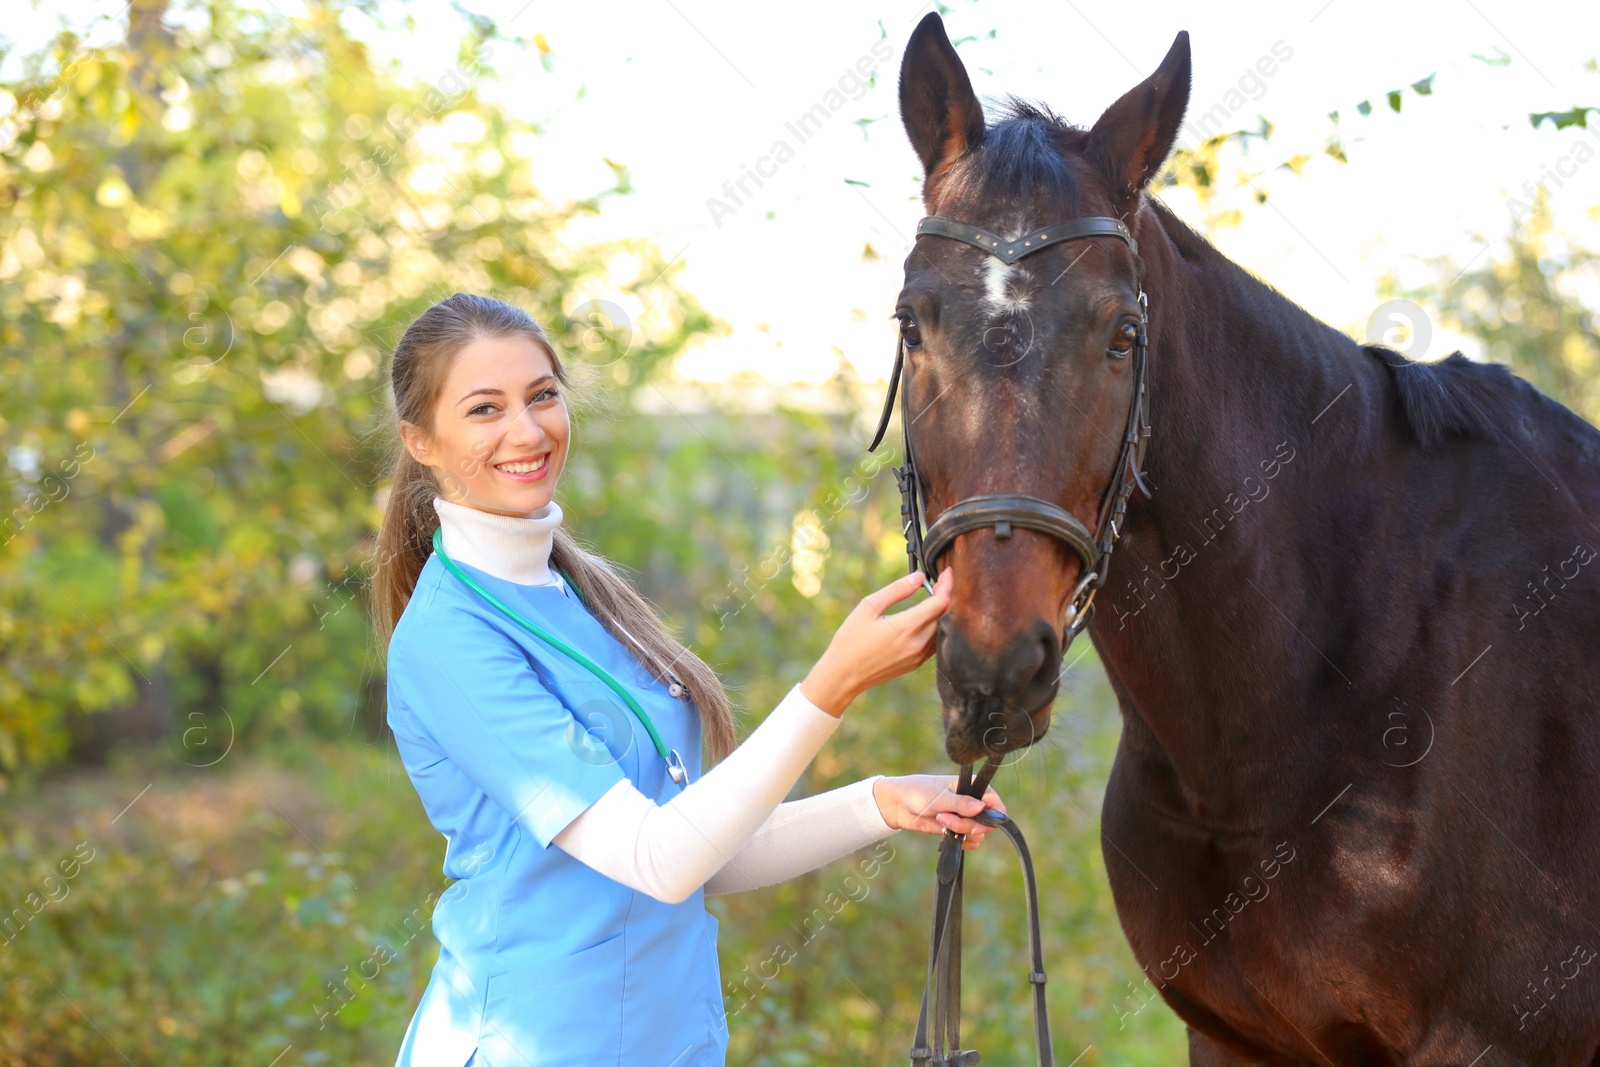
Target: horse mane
[1454, 397]
[1023, 150]
[1451, 397]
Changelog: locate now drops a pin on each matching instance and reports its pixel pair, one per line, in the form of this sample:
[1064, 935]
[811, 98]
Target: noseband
[925, 543]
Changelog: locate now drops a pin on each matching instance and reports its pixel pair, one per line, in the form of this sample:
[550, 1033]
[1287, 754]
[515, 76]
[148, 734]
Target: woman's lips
[518, 470]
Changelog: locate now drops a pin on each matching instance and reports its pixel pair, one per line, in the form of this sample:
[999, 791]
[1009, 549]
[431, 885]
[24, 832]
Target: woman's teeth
[522, 468]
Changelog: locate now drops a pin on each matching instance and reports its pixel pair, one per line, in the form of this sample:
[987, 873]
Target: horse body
[1352, 817]
[1321, 635]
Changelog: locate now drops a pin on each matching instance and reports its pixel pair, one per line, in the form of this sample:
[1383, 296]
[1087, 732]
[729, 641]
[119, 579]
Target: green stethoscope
[675, 765]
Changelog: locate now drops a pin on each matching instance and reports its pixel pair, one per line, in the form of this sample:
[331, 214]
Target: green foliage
[1525, 307]
[1578, 116]
[209, 239]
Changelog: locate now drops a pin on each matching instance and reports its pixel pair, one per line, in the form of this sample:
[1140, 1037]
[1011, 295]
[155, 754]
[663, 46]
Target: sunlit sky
[688, 93]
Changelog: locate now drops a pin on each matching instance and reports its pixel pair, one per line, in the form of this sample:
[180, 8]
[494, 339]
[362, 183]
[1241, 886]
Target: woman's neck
[513, 548]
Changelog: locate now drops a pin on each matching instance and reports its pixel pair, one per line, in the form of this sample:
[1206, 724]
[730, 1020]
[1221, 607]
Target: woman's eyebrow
[491, 391]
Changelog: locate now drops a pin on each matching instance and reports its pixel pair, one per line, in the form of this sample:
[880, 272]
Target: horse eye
[909, 331]
[1122, 344]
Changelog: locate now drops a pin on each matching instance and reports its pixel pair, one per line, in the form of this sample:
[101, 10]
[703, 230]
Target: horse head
[1016, 374]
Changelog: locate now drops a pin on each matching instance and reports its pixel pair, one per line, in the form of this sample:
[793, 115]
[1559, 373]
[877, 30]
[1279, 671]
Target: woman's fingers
[928, 612]
[883, 599]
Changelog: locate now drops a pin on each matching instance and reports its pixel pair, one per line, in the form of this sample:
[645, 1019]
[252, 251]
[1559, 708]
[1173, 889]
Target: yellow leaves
[272, 317]
[808, 545]
[250, 164]
[306, 263]
[88, 77]
[113, 191]
[147, 224]
[38, 157]
[125, 128]
[249, 545]
[428, 178]
[78, 422]
[359, 364]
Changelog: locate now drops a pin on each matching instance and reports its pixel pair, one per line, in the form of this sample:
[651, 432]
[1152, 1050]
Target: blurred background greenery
[208, 246]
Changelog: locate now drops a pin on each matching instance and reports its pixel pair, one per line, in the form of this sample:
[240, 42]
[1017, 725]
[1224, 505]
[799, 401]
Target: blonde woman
[537, 700]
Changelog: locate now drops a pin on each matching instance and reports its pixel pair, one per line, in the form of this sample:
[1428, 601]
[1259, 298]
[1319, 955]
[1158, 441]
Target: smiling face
[500, 427]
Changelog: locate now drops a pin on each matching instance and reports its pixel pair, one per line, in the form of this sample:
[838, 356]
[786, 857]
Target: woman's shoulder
[435, 613]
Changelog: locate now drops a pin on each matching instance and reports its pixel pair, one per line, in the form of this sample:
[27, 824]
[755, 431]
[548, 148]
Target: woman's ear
[412, 437]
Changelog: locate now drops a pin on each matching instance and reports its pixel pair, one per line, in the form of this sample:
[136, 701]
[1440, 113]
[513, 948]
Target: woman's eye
[1122, 344]
[908, 330]
[481, 409]
[544, 394]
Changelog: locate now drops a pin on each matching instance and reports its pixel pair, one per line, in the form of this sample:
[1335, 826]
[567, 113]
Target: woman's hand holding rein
[871, 647]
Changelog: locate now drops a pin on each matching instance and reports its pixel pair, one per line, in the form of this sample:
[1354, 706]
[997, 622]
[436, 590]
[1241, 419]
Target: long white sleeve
[670, 850]
[802, 835]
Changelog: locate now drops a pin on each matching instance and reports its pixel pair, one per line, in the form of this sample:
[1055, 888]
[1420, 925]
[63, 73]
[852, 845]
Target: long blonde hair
[405, 539]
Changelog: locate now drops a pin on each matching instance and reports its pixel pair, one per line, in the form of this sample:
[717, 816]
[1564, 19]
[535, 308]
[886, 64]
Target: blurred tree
[1533, 307]
[210, 235]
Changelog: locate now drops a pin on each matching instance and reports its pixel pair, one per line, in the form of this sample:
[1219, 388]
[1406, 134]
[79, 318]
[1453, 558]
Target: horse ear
[941, 113]
[1131, 140]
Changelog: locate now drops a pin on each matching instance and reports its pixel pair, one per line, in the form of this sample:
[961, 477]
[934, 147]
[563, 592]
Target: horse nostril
[1050, 639]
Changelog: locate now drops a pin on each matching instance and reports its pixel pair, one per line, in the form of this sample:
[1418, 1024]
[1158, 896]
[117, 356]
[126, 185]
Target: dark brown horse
[1354, 817]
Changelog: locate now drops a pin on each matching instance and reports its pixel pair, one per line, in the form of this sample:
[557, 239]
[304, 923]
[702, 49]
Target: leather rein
[926, 543]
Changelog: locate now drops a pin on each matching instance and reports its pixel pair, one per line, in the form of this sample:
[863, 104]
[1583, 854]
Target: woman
[599, 950]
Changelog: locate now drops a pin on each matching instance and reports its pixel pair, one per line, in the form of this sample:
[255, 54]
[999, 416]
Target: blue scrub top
[543, 961]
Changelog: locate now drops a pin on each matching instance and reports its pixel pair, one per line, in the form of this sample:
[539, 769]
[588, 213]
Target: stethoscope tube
[675, 764]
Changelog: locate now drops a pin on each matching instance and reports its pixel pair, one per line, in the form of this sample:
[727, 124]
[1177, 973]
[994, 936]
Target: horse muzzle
[997, 701]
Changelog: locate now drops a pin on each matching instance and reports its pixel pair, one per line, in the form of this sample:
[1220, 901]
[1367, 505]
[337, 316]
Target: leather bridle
[925, 543]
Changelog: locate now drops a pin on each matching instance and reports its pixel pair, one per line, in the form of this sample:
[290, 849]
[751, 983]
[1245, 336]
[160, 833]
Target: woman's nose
[525, 427]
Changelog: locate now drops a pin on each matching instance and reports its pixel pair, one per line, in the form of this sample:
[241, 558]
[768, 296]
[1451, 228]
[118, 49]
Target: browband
[1027, 244]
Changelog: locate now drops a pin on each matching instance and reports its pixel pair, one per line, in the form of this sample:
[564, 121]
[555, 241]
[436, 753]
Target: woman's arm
[670, 850]
[802, 835]
[797, 837]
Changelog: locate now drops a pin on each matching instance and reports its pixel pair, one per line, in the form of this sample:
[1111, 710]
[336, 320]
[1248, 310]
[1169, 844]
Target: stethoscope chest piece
[675, 767]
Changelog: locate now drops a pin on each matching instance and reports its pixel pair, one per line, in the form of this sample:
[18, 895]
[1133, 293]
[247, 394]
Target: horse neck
[1199, 590]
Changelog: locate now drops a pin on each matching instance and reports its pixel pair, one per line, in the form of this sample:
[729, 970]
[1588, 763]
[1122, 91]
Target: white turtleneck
[727, 832]
[513, 547]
